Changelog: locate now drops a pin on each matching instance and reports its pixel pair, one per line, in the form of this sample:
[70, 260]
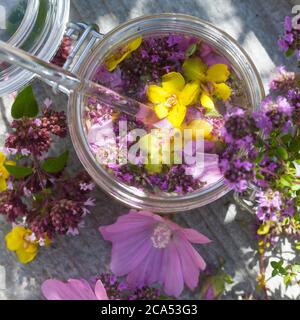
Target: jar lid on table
[36, 26]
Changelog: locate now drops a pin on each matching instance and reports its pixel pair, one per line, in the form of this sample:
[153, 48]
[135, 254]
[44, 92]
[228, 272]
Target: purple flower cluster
[62, 211]
[119, 290]
[174, 179]
[49, 203]
[289, 43]
[273, 205]
[260, 144]
[274, 115]
[283, 80]
[11, 205]
[35, 135]
[269, 205]
[155, 57]
[239, 134]
[239, 161]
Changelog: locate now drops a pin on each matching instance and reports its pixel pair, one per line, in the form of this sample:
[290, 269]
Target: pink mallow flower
[73, 289]
[151, 249]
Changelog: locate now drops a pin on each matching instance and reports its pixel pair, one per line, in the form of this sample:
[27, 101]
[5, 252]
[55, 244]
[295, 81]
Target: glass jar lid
[36, 26]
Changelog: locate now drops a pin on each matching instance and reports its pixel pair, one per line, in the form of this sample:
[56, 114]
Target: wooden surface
[255, 25]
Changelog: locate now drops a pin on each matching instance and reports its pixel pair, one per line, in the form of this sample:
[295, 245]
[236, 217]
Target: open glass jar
[159, 25]
[86, 58]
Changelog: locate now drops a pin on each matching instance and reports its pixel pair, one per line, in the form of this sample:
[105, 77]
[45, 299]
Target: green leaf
[295, 187]
[228, 279]
[19, 172]
[274, 264]
[259, 176]
[259, 158]
[297, 217]
[287, 279]
[25, 105]
[274, 273]
[55, 165]
[282, 153]
[297, 245]
[282, 271]
[191, 50]
[284, 182]
[286, 221]
[290, 52]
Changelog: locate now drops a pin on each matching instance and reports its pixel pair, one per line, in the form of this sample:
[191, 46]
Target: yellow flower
[4, 174]
[22, 241]
[202, 124]
[121, 54]
[263, 229]
[160, 146]
[171, 99]
[211, 80]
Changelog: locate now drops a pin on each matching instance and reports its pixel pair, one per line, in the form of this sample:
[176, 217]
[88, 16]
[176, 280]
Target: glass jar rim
[110, 184]
[14, 78]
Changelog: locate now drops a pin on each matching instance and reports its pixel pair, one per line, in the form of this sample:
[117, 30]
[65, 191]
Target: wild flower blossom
[73, 289]
[283, 80]
[45, 200]
[289, 42]
[4, 174]
[269, 205]
[23, 242]
[149, 249]
[103, 287]
[211, 80]
[35, 136]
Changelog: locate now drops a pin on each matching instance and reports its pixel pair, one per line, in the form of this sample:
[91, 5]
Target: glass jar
[143, 26]
[36, 26]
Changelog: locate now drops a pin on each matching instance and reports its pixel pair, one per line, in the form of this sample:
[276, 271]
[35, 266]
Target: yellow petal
[156, 94]
[190, 93]
[31, 247]
[263, 229]
[177, 115]
[208, 104]
[153, 168]
[10, 163]
[194, 69]
[134, 44]
[222, 91]
[173, 82]
[3, 185]
[122, 53]
[2, 158]
[25, 257]
[161, 110]
[218, 73]
[202, 124]
[15, 238]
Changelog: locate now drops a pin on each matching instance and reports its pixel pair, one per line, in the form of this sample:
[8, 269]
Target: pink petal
[128, 254]
[139, 277]
[214, 58]
[126, 226]
[189, 269]
[156, 267]
[72, 290]
[193, 254]
[173, 282]
[100, 291]
[194, 236]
